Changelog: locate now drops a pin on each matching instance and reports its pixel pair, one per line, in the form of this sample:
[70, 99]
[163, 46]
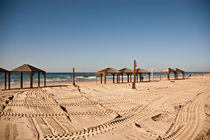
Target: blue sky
[94, 34]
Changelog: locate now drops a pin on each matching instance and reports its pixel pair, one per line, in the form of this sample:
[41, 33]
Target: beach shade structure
[168, 71]
[128, 72]
[177, 72]
[107, 71]
[30, 70]
[140, 72]
[5, 77]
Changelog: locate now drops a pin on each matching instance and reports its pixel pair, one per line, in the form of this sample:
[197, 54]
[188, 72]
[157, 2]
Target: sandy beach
[174, 109]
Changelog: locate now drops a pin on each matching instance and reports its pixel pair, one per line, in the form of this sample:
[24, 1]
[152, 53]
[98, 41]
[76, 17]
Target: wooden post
[104, 78]
[101, 78]
[168, 76]
[21, 80]
[31, 78]
[149, 77]
[128, 78]
[140, 77]
[5, 80]
[134, 75]
[113, 78]
[122, 78]
[8, 80]
[38, 79]
[73, 78]
[44, 79]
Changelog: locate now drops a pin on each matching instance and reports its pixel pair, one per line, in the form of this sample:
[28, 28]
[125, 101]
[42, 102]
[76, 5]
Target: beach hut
[140, 72]
[30, 70]
[168, 71]
[107, 71]
[177, 72]
[127, 71]
[5, 76]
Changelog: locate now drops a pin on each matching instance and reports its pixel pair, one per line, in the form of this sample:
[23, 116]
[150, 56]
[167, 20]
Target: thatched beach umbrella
[30, 70]
[127, 71]
[168, 71]
[5, 76]
[177, 72]
[140, 72]
[107, 71]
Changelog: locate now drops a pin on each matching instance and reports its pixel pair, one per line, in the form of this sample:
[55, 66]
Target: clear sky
[90, 35]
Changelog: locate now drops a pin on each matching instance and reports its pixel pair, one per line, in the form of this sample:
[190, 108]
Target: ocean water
[67, 77]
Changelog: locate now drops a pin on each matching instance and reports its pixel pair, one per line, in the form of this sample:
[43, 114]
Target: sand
[175, 109]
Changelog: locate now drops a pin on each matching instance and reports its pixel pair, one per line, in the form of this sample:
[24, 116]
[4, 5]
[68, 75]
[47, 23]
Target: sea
[67, 77]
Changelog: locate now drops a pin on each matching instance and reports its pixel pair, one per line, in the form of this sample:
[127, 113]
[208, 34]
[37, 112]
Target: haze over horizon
[92, 35]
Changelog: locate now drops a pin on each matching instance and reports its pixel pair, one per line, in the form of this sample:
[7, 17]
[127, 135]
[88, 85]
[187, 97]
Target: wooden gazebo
[5, 76]
[140, 72]
[30, 70]
[177, 72]
[129, 73]
[107, 71]
[168, 71]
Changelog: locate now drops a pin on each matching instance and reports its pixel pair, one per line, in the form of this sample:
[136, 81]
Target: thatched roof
[27, 68]
[109, 70]
[178, 70]
[141, 71]
[126, 70]
[3, 70]
[167, 70]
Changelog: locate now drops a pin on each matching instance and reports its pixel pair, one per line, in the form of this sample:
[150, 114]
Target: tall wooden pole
[101, 78]
[73, 78]
[134, 75]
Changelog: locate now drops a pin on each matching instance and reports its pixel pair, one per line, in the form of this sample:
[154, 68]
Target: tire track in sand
[189, 119]
[140, 113]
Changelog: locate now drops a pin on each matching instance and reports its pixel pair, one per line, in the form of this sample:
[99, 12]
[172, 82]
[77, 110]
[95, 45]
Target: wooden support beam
[128, 78]
[44, 79]
[9, 80]
[101, 78]
[38, 79]
[113, 78]
[104, 78]
[149, 77]
[122, 78]
[5, 80]
[31, 80]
